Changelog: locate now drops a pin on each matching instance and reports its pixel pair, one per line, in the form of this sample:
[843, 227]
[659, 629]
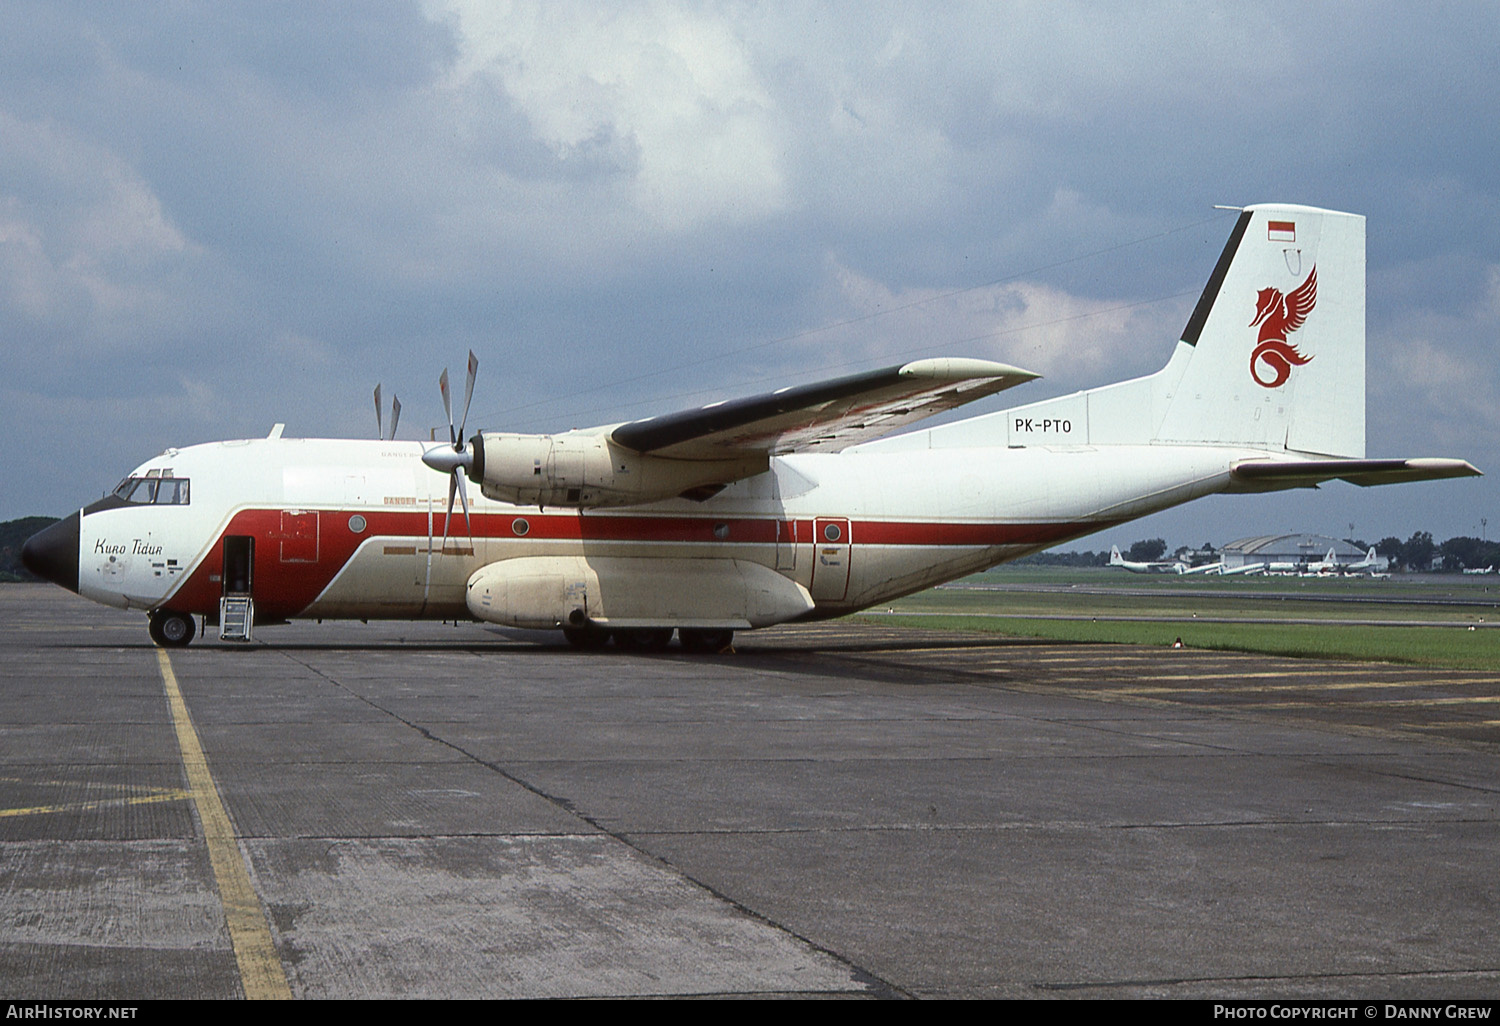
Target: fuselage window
[173, 491]
[154, 491]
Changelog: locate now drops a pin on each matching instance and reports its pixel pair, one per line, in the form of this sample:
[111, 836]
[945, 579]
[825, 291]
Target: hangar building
[1291, 548]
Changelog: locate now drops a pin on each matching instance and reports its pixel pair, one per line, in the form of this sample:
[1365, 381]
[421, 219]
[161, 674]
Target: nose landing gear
[170, 629]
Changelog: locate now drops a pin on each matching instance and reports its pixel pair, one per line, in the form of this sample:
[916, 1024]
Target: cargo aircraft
[794, 505]
[1165, 566]
[1326, 567]
[1369, 563]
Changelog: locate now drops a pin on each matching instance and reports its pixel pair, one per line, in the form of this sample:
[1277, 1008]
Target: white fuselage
[355, 529]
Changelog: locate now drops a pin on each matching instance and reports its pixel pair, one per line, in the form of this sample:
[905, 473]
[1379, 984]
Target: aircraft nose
[52, 553]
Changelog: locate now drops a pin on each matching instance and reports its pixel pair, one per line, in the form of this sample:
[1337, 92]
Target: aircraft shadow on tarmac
[549, 643]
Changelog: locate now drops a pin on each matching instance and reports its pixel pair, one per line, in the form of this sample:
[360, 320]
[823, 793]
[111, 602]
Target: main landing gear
[649, 639]
[705, 639]
[171, 630]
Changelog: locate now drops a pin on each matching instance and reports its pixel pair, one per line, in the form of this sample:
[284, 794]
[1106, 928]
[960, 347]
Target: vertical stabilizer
[1272, 358]
[1274, 353]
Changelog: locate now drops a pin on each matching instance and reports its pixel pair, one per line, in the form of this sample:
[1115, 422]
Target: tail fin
[1274, 353]
[1272, 358]
[1115, 559]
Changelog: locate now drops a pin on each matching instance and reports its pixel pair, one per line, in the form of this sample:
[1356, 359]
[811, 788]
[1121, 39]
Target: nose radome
[52, 553]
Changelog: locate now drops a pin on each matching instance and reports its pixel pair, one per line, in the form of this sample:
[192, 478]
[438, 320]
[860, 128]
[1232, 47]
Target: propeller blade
[447, 407]
[395, 414]
[457, 487]
[468, 397]
[379, 427]
[463, 497]
[452, 487]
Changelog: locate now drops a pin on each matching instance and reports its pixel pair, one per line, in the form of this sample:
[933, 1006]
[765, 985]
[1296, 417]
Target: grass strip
[1454, 647]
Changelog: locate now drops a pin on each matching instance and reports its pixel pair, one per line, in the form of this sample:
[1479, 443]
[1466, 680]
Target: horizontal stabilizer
[1302, 473]
[826, 416]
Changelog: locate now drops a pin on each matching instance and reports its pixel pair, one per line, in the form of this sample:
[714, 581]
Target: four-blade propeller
[455, 459]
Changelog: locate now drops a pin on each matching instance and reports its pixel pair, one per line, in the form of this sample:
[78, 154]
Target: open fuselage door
[236, 601]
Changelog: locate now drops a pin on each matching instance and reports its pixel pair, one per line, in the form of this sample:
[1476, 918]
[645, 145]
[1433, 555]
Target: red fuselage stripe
[287, 581]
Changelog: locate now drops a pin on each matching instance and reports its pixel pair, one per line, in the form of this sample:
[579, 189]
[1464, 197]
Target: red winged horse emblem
[1278, 316]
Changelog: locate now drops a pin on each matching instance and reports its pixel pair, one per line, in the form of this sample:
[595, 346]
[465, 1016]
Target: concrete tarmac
[841, 809]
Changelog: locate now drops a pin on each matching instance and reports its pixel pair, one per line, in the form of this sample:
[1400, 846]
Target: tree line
[1420, 552]
[13, 534]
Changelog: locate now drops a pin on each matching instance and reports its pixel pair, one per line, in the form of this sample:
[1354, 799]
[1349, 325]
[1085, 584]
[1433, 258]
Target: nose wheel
[171, 630]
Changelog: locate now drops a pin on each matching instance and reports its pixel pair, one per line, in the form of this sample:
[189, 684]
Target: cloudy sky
[214, 217]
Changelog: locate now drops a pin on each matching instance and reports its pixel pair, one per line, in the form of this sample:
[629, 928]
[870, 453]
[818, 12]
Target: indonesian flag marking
[1281, 231]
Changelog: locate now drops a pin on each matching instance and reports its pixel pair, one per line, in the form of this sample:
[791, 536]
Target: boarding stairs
[236, 613]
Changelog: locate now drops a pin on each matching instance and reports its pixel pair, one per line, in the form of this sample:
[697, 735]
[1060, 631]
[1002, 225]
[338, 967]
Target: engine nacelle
[586, 470]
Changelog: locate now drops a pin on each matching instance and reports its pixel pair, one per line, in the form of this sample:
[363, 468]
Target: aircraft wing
[1301, 473]
[822, 417]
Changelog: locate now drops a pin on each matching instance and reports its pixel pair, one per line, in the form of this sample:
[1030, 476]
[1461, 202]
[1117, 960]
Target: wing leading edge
[822, 417]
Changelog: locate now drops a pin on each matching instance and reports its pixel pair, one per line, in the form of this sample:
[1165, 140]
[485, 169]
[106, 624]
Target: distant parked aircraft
[1162, 567]
[1329, 564]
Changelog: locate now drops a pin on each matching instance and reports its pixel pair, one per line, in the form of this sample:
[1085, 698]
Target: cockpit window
[154, 491]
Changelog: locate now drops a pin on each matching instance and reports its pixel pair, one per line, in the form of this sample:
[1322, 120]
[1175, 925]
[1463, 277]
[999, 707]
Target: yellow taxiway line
[153, 795]
[261, 972]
